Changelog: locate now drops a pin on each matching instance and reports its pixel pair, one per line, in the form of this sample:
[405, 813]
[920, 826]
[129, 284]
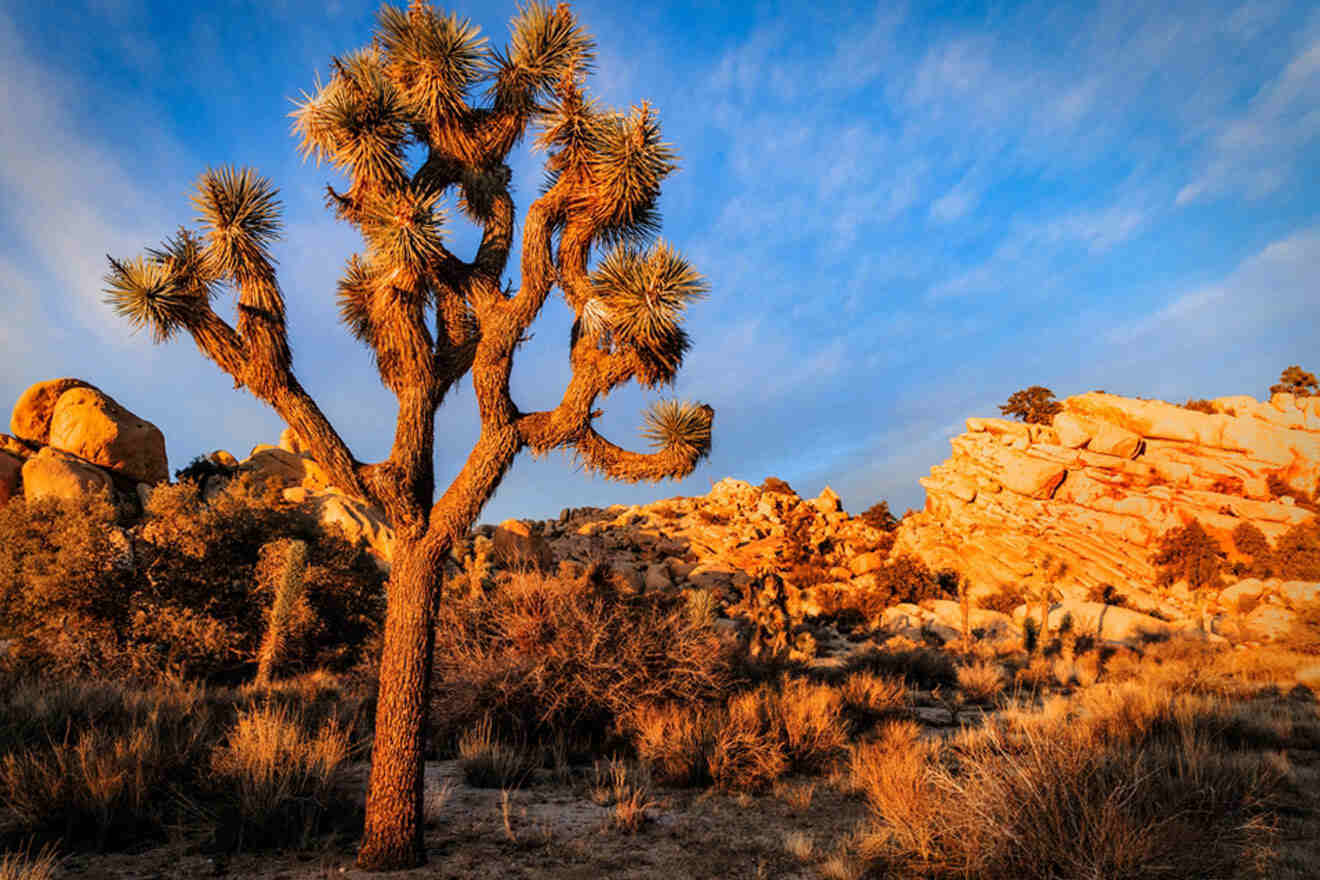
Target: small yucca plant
[288, 604]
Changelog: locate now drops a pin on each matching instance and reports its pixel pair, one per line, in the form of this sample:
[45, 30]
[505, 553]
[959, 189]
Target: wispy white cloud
[1266, 289]
[1257, 152]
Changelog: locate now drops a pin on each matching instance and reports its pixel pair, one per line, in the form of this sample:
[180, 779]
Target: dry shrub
[94, 765]
[674, 741]
[1004, 600]
[285, 782]
[180, 594]
[903, 578]
[981, 682]
[893, 773]
[104, 765]
[1297, 551]
[546, 657]
[918, 666]
[1188, 553]
[869, 696]
[811, 722]
[747, 753]
[1201, 406]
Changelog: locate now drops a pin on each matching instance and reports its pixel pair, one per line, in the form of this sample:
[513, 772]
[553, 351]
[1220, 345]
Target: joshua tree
[1035, 405]
[429, 87]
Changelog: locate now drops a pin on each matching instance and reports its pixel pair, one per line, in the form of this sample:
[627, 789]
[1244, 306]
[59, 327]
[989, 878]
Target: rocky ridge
[1098, 487]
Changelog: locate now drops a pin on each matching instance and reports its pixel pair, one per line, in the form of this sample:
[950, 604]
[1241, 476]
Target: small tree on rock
[1296, 381]
[1188, 553]
[1035, 405]
[429, 109]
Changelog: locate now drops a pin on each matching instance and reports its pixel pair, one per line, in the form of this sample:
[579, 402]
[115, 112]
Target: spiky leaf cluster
[432, 59]
[626, 169]
[642, 296]
[355, 290]
[547, 41]
[357, 121]
[167, 290]
[403, 229]
[681, 427]
[239, 212]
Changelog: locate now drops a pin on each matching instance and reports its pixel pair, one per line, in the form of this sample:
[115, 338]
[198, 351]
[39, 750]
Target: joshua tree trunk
[393, 834]
[430, 318]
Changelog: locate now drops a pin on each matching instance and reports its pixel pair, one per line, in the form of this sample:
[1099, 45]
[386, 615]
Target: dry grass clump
[674, 741]
[1124, 783]
[799, 845]
[746, 751]
[981, 682]
[871, 696]
[284, 780]
[549, 658]
[488, 762]
[625, 789]
[22, 866]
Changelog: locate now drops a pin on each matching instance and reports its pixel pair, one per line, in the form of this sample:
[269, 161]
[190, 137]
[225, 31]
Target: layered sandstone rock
[1098, 487]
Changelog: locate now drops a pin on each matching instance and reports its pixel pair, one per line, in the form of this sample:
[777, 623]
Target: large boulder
[358, 520]
[11, 475]
[91, 425]
[32, 413]
[1032, 477]
[285, 468]
[54, 474]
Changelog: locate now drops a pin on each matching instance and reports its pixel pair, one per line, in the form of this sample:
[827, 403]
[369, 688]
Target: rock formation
[1099, 487]
[71, 438]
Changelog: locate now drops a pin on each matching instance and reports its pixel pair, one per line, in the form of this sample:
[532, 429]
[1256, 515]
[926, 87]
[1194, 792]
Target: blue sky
[905, 213]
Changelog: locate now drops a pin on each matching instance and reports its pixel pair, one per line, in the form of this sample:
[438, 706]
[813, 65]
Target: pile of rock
[71, 439]
[1098, 487]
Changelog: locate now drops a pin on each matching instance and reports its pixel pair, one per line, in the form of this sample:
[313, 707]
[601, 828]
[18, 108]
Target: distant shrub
[776, 486]
[1105, 594]
[1035, 405]
[1201, 406]
[1280, 488]
[903, 578]
[1005, 599]
[1188, 553]
[1297, 551]
[1296, 381]
[200, 469]
[878, 516]
[1229, 486]
[1250, 541]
